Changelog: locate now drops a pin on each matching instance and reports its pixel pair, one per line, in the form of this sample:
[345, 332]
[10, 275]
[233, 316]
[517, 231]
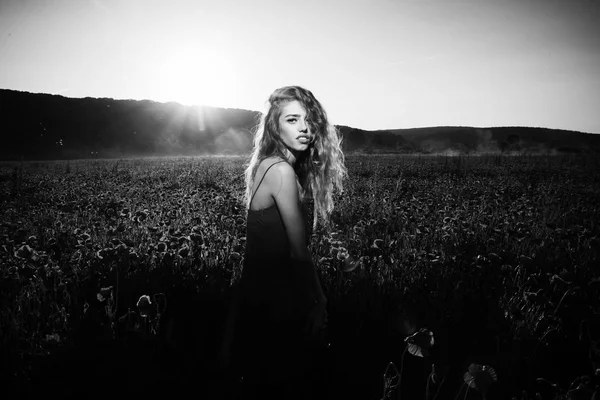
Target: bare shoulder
[274, 172]
[263, 165]
[285, 180]
[286, 170]
[277, 165]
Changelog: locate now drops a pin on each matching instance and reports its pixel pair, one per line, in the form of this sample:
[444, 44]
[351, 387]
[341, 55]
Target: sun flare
[196, 76]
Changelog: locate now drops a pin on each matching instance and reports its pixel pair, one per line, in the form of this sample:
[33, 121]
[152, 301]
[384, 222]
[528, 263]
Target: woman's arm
[287, 198]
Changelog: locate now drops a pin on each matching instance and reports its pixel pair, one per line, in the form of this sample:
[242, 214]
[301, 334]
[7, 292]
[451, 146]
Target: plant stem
[439, 387]
[459, 390]
[400, 377]
[427, 387]
[427, 392]
[563, 297]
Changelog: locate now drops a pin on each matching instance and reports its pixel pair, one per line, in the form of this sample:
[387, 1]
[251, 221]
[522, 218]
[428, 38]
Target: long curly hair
[320, 169]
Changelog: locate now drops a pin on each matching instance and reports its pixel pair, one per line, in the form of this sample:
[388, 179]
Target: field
[476, 277]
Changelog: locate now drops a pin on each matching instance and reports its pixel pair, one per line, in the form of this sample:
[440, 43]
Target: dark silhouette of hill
[471, 140]
[44, 126]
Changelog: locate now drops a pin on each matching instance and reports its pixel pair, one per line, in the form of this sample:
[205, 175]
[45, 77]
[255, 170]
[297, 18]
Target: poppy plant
[144, 304]
[419, 342]
[480, 377]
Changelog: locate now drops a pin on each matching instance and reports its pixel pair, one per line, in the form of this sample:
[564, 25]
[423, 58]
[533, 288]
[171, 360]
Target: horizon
[374, 65]
[348, 126]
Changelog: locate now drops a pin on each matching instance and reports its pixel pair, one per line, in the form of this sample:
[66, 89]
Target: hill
[471, 140]
[44, 126]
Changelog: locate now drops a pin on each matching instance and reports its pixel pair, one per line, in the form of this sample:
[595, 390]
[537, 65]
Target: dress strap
[261, 179]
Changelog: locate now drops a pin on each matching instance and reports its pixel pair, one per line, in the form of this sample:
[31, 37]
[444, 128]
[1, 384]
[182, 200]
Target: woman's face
[294, 128]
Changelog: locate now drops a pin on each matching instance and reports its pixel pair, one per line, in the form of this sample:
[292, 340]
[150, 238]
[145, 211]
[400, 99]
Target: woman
[279, 300]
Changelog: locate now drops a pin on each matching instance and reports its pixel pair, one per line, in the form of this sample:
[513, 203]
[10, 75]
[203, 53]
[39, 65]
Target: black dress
[268, 345]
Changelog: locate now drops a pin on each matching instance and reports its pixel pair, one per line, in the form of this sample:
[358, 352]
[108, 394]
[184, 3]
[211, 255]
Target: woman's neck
[289, 156]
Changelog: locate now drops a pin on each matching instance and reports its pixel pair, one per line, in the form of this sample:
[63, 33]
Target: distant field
[493, 254]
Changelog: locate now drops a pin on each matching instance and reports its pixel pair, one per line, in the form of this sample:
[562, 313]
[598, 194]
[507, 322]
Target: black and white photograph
[300, 200]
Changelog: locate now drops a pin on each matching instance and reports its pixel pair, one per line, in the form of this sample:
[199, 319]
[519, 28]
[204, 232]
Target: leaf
[350, 264]
[377, 244]
[480, 377]
[53, 339]
[24, 252]
[342, 255]
[391, 378]
[419, 342]
[105, 293]
[546, 381]
[416, 350]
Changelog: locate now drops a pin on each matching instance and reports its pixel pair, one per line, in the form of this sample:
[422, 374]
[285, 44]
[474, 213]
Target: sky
[373, 64]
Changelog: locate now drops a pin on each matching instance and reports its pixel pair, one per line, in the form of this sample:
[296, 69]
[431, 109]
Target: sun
[196, 76]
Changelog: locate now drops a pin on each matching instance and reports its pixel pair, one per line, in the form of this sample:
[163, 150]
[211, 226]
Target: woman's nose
[303, 126]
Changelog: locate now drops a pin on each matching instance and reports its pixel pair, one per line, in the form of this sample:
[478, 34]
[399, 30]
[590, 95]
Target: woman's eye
[292, 120]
